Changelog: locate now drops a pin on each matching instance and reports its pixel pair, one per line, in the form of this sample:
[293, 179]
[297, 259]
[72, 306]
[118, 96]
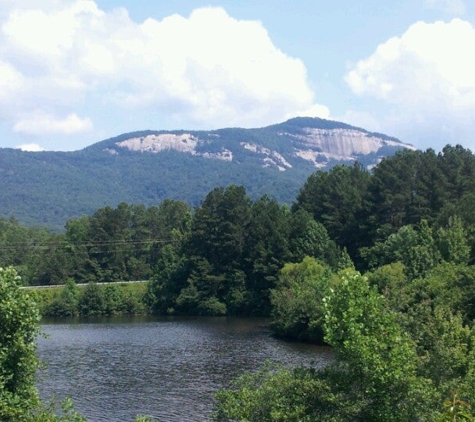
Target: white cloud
[209, 68]
[41, 123]
[427, 75]
[30, 147]
[452, 7]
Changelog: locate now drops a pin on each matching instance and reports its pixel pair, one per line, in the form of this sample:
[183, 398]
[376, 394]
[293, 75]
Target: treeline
[224, 256]
[114, 244]
[92, 299]
[360, 209]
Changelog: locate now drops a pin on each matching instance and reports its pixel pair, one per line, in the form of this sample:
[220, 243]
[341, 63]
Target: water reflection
[168, 368]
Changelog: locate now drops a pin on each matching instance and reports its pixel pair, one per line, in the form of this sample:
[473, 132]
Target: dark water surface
[117, 368]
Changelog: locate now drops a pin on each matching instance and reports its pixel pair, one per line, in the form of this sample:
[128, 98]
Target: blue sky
[75, 72]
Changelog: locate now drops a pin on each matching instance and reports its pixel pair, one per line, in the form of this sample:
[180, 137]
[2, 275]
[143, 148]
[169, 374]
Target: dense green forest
[378, 265]
[224, 256]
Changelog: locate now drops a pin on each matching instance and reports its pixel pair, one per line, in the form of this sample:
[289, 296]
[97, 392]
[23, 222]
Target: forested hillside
[48, 188]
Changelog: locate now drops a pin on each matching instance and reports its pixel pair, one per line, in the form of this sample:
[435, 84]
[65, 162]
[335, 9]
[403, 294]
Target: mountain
[48, 188]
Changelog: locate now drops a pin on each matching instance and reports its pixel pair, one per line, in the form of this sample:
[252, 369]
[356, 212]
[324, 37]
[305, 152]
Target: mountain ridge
[145, 167]
[312, 139]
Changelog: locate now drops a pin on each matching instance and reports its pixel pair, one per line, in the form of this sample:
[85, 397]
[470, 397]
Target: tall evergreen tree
[337, 200]
[267, 250]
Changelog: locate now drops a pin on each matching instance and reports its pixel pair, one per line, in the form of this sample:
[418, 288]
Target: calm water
[117, 368]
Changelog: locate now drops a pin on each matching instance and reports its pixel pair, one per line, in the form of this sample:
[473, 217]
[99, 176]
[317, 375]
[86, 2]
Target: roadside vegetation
[91, 299]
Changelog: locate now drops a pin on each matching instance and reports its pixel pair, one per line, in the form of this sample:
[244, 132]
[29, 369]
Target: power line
[44, 245]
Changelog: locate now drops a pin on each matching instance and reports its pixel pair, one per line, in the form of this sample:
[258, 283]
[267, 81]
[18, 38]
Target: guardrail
[55, 286]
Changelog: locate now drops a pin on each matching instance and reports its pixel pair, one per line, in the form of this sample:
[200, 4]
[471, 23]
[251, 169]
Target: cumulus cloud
[30, 147]
[42, 123]
[209, 68]
[427, 75]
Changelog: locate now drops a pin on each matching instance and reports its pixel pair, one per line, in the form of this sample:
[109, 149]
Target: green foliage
[337, 200]
[19, 317]
[66, 303]
[142, 418]
[113, 300]
[94, 299]
[18, 363]
[445, 346]
[166, 284]
[267, 250]
[379, 361]
[375, 376]
[297, 309]
[273, 394]
[453, 243]
[415, 249]
[65, 412]
[393, 191]
[391, 281]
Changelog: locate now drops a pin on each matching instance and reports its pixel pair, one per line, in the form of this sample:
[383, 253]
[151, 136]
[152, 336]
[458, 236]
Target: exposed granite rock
[316, 141]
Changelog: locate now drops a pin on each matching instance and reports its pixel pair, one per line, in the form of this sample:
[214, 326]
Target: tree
[219, 228]
[275, 394]
[378, 360]
[168, 224]
[307, 237]
[391, 194]
[19, 318]
[113, 300]
[458, 166]
[266, 251]
[170, 276]
[92, 300]
[337, 200]
[391, 281]
[415, 249]
[452, 242]
[374, 377]
[215, 251]
[111, 237]
[66, 303]
[297, 309]
[55, 263]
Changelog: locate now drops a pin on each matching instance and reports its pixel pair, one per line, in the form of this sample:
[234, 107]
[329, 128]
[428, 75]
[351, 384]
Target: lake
[167, 368]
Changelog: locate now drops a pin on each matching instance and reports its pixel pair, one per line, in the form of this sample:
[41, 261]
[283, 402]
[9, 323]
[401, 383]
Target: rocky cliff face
[185, 142]
[314, 141]
[321, 145]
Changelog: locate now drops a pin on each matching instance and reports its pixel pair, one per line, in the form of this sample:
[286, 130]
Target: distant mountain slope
[296, 142]
[48, 188]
